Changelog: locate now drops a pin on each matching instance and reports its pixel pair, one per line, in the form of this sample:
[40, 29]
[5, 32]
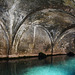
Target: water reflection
[58, 65]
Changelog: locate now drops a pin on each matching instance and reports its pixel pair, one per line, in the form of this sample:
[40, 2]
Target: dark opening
[70, 54]
[42, 55]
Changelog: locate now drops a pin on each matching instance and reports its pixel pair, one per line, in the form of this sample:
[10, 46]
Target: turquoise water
[63, 68]
[57, 65]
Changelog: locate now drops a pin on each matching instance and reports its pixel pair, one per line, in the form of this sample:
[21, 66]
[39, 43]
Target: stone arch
[33, 42]
[4, 42]
[27, 23]
[24, 19]
[65, 43]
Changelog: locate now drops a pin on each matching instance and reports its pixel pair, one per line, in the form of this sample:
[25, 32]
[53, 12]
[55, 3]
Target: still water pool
[56, 65]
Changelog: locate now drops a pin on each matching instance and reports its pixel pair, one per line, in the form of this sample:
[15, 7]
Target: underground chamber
[29, 27]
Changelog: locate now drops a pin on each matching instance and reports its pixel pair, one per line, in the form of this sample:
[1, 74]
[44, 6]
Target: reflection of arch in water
[7, 37]
[34, 34]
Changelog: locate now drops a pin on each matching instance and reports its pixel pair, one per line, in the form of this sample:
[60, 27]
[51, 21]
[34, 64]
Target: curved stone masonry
[28, 27]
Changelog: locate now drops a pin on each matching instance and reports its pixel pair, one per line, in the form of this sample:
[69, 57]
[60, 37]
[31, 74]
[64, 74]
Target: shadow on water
[55, 65]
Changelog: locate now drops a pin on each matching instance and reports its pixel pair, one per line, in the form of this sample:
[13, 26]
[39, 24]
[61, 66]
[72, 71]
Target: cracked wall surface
[28, 27]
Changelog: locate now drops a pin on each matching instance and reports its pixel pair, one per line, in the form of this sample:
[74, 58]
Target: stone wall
[28, 27]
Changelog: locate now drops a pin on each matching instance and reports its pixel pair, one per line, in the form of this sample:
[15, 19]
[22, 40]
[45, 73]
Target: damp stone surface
[28, 27]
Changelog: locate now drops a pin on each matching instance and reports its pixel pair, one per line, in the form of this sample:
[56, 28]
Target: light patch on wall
[70, 3]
